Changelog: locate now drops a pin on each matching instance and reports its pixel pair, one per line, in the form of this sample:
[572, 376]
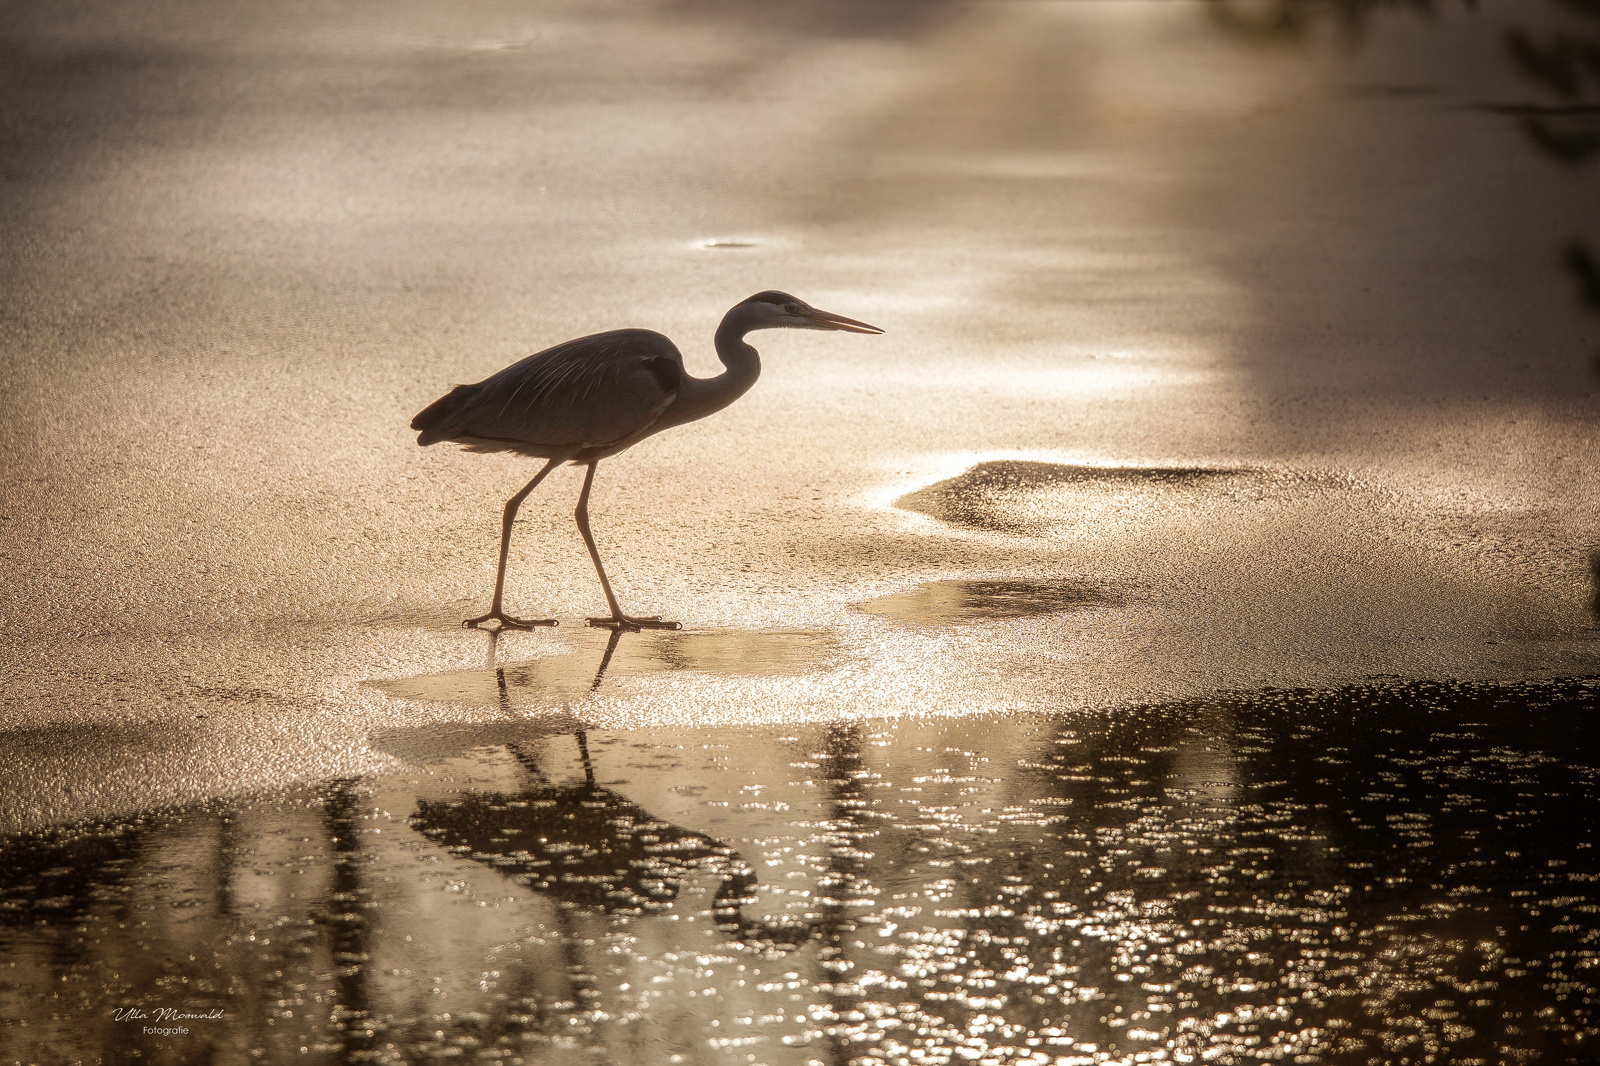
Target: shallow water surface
[576, 671]
[1391, 872]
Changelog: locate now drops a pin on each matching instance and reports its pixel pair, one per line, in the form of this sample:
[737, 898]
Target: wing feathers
[438, 413]
[587, 392]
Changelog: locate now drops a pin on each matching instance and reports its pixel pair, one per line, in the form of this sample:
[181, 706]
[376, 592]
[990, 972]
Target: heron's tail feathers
[437, 421]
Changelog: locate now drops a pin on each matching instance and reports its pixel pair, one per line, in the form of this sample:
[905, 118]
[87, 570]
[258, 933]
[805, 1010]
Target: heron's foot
[633, 625]
[507, 622]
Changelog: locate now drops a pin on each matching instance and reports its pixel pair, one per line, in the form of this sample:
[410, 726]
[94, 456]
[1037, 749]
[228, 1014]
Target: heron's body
[586, 399]
[601, 393]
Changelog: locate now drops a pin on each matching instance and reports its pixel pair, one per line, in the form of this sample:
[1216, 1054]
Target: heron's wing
[586, 392]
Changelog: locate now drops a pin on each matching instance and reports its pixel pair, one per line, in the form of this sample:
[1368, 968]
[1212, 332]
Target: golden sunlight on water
[1371, 872]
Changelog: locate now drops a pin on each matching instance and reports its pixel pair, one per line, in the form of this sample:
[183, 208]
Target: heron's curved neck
[699, 397]
[743, 361]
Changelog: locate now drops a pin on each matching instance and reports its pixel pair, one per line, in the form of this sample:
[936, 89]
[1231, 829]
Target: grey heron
[590, 398]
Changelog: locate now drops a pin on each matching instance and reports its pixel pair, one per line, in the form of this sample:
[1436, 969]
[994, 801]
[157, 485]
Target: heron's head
[779, 310]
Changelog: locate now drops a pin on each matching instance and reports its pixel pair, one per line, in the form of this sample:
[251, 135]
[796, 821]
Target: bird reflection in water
[591, 847]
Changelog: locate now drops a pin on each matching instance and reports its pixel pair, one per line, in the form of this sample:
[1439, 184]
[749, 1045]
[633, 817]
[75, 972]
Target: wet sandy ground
[1234, 427]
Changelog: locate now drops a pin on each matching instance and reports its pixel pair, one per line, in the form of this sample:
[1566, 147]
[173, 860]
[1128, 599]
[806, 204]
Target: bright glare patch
[1020, 165]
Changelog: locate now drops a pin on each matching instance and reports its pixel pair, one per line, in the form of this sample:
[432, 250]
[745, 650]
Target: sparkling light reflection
[1377, 872]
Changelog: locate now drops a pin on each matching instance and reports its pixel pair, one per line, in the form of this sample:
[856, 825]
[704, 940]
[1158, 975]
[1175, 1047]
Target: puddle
[1401, 872]
[939, 603]
[1023, 496]
[596, 660]
[541, 693]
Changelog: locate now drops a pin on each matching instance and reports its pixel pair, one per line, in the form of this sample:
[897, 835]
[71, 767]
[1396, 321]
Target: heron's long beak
[827, 320]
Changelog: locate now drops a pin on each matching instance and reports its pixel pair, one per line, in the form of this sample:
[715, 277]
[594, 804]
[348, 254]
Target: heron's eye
[791, 309]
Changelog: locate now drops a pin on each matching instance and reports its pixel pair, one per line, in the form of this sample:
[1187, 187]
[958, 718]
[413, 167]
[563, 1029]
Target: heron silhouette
[590, 398]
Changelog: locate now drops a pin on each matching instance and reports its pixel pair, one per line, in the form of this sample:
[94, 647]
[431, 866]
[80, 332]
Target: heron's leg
[617, 619]
[505, 620]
